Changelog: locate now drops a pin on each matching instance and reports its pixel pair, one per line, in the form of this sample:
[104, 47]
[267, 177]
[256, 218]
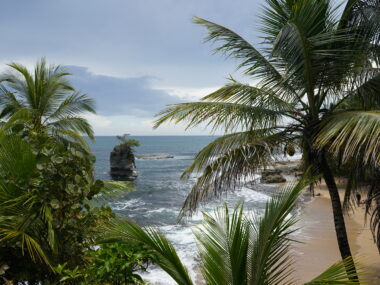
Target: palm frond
[111, 190]
[337, 274]
[16, 158]
[73, 105]
[233, 106]
[236, 92]
[228, 116]
[49, 99]
[229, 159]
[75, 124]
[234, 45]
[270, 260]
[123, 230]
[352, 134]
[27, 242]
[223, 242]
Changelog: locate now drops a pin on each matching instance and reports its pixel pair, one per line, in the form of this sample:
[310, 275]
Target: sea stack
[122, 159]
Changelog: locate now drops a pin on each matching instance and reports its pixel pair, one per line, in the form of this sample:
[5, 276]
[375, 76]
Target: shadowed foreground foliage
[235, 248]
[50, 205]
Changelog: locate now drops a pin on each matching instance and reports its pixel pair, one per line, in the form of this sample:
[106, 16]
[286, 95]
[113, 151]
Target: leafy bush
[111, 264]
[127, 143]
[46, 213]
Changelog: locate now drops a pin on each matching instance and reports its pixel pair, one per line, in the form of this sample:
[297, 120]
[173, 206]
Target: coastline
[319, 248]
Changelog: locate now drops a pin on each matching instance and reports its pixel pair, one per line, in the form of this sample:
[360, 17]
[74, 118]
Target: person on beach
[358, 198]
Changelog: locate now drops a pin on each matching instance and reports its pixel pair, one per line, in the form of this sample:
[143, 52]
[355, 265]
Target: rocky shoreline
[275, 176]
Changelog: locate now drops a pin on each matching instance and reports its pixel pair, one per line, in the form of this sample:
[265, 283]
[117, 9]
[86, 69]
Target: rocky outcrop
[289, 167]
[154, 156]
[272, 176]
[122, 162]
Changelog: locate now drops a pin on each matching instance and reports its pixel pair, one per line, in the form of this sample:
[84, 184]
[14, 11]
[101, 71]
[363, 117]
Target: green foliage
[235, 248]
[44, 101]
[118, 263]
[127, 143]
[125, 231]
[46, 214]
[110, 264]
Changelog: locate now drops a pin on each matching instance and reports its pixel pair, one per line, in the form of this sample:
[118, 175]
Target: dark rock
[272, 176]
[122, 162]
[268, 172]
[154, 156]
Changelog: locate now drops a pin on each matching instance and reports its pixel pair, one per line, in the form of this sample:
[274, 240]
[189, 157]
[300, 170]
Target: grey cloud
[125, 37]
[120, 96]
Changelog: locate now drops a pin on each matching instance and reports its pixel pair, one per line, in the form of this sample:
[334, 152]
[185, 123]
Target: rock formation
[272, 176]
[122, 162]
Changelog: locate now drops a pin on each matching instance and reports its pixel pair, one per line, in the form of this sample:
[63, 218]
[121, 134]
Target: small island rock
[122, 159]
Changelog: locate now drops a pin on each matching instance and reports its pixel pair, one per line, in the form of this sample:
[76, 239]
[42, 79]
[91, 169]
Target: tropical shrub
[46, 213]
[111, 263]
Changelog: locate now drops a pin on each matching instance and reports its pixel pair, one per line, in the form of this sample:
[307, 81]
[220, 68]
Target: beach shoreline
[319, 248]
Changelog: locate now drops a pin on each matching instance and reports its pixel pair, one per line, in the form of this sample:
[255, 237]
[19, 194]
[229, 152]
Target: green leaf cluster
[111, 263]
[126, 143]
[47, 216]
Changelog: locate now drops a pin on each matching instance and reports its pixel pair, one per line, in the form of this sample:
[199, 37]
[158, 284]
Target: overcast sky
[133, 57]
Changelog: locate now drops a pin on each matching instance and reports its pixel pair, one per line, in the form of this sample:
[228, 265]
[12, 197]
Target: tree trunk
[340, 227]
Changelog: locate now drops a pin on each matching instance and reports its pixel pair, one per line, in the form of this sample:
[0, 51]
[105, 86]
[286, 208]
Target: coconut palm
[315, 61]
[235, 248]
[44, 100]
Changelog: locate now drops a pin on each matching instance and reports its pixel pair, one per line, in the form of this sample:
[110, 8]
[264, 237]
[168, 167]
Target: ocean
[160, 193]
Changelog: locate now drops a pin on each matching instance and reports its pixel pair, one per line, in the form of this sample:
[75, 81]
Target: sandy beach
[319, 249]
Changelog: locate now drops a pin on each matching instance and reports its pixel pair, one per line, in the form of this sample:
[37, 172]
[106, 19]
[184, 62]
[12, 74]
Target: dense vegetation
[50, 207]
[317, 86]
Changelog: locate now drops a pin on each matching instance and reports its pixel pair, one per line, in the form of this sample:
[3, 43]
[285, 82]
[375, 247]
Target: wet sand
[319, 249]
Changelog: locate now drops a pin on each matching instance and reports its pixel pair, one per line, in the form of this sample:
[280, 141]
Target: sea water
[160, 193]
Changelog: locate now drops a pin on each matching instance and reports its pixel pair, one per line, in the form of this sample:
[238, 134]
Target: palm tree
[235, 248]
[313, 63]
[45, 100]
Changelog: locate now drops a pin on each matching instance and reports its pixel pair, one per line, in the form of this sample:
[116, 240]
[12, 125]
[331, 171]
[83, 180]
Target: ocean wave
[122, 205]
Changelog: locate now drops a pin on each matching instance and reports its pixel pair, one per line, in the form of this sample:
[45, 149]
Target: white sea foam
[181, 235]
[121, 205]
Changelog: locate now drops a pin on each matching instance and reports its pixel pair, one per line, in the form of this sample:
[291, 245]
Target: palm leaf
[354, 134]
[223, 242]
[337, 274]
[234, 45]
[270, 260]
[123, 230]
[229, 159]
[229, 116]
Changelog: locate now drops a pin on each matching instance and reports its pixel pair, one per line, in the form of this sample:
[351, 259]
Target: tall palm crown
[316, 72]
[44, 100]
